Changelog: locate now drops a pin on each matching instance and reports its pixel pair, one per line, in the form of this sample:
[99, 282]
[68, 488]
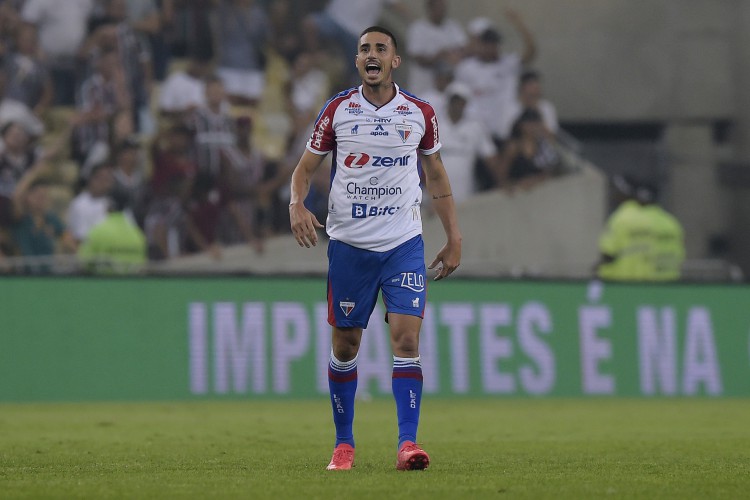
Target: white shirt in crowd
[85, 212]
[426, 39]
[494, 86]
[62, 24]
[181, 92]
[463, 143]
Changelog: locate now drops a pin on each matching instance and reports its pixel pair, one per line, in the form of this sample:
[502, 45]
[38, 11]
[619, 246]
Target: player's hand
[449, 258]
[304, 225]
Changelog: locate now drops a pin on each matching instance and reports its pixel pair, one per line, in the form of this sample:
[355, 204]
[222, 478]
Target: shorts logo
[356, 160]
[362, 211]
[404, 131]
[347, 307]
[415, 302]
[413, 281]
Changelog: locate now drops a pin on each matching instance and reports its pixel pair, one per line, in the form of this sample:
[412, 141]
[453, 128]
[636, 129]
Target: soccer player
[377, 133]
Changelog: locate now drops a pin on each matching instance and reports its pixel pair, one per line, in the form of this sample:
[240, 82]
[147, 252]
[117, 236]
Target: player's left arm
[439, 189]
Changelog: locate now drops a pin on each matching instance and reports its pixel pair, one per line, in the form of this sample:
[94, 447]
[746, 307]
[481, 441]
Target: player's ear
[396, 62]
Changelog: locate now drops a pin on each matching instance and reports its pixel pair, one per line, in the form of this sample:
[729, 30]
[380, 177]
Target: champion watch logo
[404, 131]
[347, 307]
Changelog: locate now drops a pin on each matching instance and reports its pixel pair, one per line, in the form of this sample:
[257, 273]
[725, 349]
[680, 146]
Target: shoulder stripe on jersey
[344, 93]
[411, 96]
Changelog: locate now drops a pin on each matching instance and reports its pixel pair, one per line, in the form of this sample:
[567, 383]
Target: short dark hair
[379, 29]
[529, 75]
[490, 35]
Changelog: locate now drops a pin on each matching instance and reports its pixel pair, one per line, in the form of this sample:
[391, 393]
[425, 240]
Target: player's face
[376, 58]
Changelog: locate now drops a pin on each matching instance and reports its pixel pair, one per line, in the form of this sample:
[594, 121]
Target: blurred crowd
[136, 130]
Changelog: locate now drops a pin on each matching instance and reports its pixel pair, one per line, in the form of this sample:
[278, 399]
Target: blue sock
[407, 391]
[342, 383]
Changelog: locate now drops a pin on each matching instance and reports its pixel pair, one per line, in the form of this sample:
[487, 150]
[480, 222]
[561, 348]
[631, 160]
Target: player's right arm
[303, 222]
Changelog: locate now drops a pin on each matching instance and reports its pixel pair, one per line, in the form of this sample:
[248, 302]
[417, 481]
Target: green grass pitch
[480, 448]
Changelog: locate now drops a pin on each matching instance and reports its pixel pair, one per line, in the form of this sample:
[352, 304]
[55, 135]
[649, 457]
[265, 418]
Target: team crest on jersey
[404, 131]
[347, 307]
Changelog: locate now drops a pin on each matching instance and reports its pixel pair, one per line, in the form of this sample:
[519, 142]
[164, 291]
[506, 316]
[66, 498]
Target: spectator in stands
[530, 96]
[465, 142]
[245, 31]
[185, 90]
[474, 29]
[203, 216]
[530, 156]
[213, 128]
[433, 41]
[192, 27]
[146, 18]
[341, 22]
[115, 245]
[308, 87]
[37, 231]
[17, 156]
[244, 189]
[26, 78]
[442, 76]
[10, 20]
[104, 96]
[91, 205]
[493, 75]
[285, 29]
[62, 29]
[114, 33]
[641, 241]
[171, 185]
[130, 178]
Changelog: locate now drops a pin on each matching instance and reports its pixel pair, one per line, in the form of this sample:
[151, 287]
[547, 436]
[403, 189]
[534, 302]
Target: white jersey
[375, 194]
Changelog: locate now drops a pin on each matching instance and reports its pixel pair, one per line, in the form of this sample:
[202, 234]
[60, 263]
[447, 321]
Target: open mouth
[372, 69]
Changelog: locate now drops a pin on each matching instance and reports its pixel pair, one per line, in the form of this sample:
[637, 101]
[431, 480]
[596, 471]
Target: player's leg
[407, 374]
[352, 293]
[342, 381]
[342, 385]
[407, 389]
[404, 294]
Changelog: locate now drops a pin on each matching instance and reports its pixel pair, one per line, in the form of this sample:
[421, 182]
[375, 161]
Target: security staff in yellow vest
[116, 245]
[641, 241]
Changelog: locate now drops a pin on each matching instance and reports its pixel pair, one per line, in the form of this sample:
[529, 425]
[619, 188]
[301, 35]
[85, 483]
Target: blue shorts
[355, 276]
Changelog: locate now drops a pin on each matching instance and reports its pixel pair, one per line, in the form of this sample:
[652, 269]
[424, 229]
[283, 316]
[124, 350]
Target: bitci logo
[356, 160]
[362, 211]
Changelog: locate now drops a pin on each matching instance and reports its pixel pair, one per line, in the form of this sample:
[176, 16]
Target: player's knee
[346, 343]
[406, 345]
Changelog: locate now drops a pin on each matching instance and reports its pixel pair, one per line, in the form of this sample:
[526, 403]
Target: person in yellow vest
[641, 241]
[116, 245]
